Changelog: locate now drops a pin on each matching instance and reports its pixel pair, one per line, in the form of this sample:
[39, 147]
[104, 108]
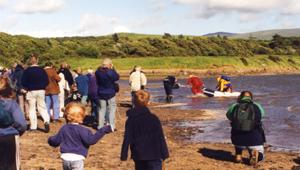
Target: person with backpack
[137, 81]
[106, 77]
[224, 84]
[12, 125]
[247, 131]
[144, 134]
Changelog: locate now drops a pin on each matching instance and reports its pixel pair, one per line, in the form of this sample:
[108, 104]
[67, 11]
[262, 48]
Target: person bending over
[247, 132]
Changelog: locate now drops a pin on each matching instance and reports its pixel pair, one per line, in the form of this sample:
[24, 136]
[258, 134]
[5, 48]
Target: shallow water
[279, 95]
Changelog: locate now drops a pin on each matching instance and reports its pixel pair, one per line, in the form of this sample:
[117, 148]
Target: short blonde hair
[6, 90]
[142, 98]
[75, 112]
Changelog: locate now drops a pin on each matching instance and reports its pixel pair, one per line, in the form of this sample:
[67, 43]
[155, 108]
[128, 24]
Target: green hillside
[19, 48]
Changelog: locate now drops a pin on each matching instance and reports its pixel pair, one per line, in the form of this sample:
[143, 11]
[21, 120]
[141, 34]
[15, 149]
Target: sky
[58, 18]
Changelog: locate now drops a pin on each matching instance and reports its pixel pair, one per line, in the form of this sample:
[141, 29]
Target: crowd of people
[26, 91]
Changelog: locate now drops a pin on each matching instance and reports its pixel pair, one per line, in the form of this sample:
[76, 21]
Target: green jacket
[244, 99]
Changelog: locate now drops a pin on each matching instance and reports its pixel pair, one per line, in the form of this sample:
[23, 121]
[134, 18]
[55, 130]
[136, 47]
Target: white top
[71, 157]
[136, 80]
[63, 84]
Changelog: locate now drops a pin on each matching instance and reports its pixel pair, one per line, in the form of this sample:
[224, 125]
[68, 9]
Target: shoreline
[183, 73]
[37, 154]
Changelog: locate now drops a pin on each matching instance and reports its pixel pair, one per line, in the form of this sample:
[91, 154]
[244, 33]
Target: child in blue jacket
[74, 139]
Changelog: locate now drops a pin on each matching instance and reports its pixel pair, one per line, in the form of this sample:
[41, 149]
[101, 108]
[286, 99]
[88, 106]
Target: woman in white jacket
[63, 85]
[137, 80]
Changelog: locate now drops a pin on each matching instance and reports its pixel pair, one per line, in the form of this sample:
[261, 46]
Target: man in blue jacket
[106, 78]
[34, 82]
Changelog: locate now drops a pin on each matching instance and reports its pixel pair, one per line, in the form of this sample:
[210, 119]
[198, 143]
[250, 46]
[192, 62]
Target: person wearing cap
[106, 77]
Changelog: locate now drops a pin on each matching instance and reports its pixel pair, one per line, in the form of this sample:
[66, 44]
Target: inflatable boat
[213, 93]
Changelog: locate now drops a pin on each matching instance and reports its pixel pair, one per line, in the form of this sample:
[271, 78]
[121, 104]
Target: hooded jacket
[144, 135]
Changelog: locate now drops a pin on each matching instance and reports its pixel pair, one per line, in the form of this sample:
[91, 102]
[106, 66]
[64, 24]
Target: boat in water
[213, 93]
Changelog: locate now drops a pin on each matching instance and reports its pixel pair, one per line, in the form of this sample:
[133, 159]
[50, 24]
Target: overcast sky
[48, 18]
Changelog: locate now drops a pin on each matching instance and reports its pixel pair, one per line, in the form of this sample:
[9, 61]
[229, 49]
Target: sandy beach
[184, 155]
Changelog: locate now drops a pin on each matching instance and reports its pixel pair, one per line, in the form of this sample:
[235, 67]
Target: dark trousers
[148, 164]
[9, 155]
[95, 108]
[132, 98]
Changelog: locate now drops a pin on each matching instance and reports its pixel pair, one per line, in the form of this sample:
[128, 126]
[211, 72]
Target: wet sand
[184, 155]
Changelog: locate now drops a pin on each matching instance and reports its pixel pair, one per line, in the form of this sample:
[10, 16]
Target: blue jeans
[73, 165]
[84, 99]
[52, 100]
[111, 106]
[148, 164]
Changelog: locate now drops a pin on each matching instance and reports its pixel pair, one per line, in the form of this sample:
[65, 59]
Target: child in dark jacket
[74, 139]
[144, 135]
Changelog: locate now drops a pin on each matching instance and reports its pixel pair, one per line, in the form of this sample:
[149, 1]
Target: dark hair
[243, 94]
[48, 64]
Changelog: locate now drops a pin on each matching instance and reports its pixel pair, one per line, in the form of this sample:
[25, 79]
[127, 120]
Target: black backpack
[245, 117]
[6, 118]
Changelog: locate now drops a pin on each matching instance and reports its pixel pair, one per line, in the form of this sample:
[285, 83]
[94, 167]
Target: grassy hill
[19, 48]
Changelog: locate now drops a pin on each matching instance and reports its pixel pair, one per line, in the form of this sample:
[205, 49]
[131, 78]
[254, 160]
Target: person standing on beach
[34, 82]
[67, 73]
[52, 91]
[106, 77]
[16, 79]
[82, 82]
[247, 132]
[137, 81]
[74, 139]
[63, 89]
[144, 135]
[93, 95]
[12, 125]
